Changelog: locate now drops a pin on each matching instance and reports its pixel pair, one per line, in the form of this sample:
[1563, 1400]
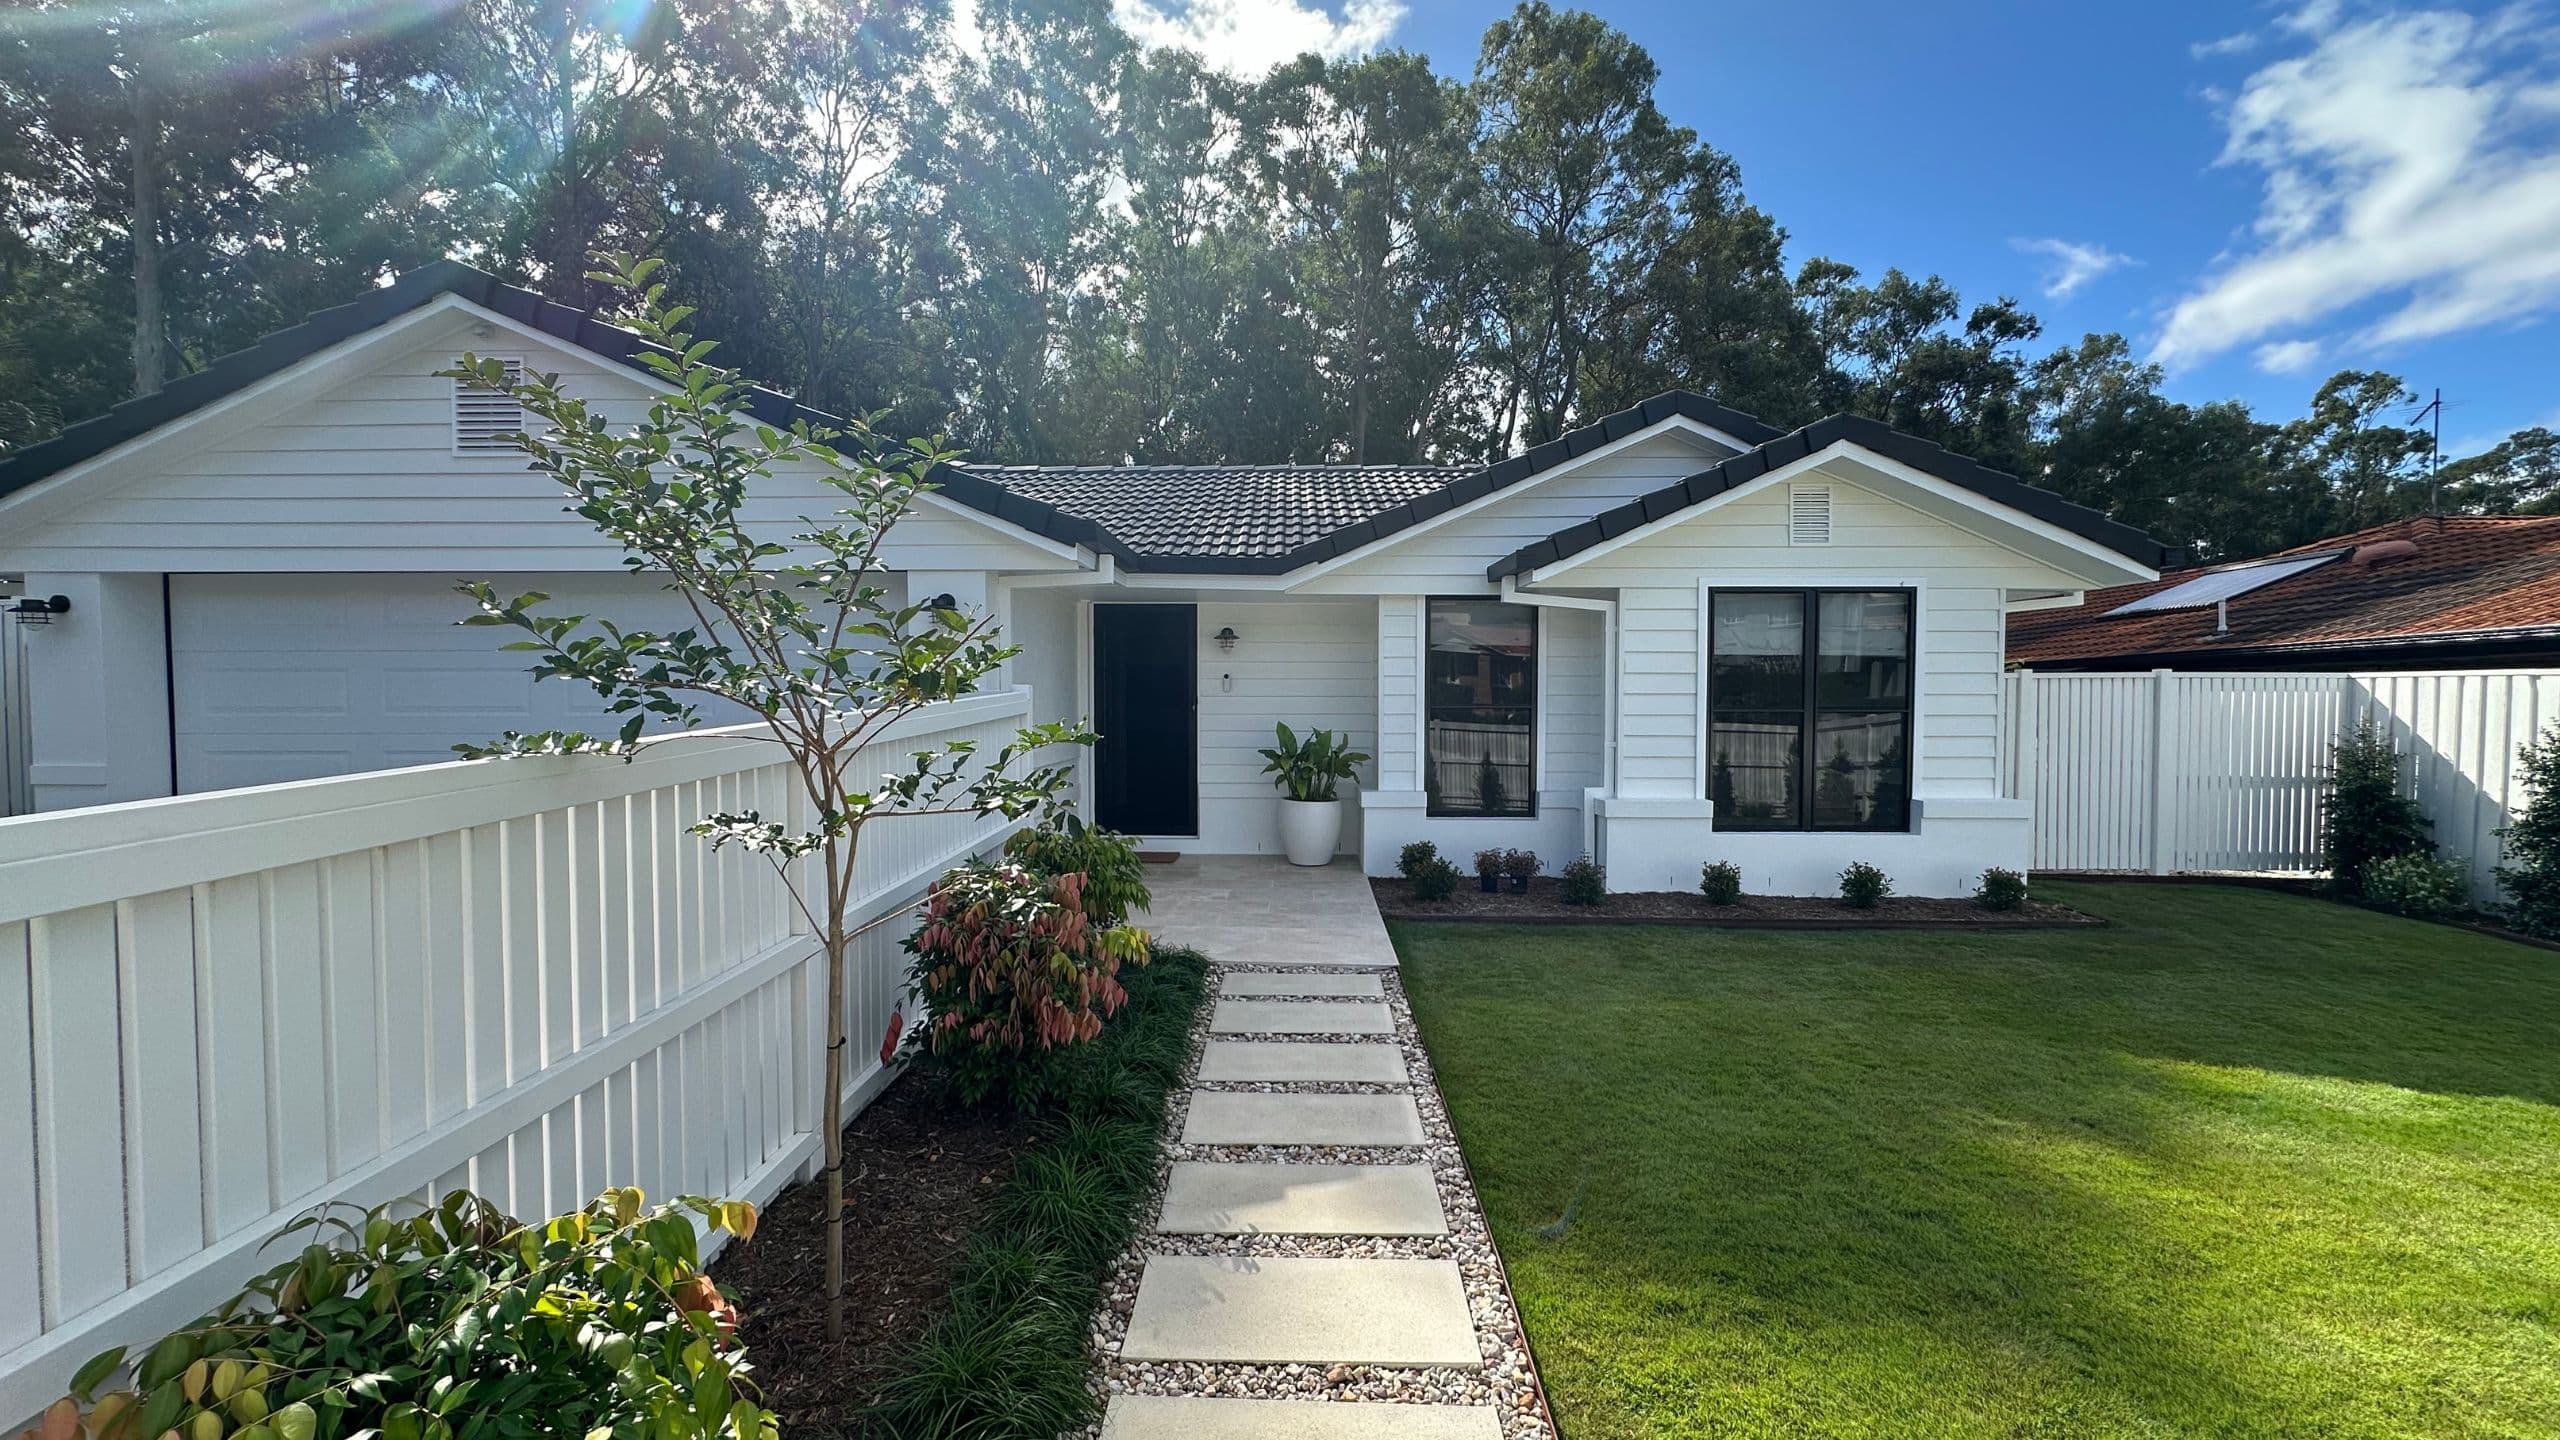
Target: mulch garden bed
[918, 1174]
[1544, 905]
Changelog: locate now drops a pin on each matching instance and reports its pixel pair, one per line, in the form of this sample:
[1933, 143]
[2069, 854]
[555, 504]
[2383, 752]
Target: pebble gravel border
[1509, 1379]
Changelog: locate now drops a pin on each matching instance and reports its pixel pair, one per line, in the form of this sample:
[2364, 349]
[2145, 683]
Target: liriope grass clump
[1010, 1361]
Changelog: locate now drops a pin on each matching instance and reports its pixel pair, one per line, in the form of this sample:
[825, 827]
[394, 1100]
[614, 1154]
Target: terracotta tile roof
[2421, 581]
[1244, 512]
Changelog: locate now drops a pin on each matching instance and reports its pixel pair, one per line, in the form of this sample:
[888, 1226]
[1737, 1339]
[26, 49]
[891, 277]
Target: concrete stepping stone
[1301, 1311]
[1346, 983]
[1209, 1199]
[1253, 1117]
[1303, 1061]
[1191, 1417]
[1301, 1017]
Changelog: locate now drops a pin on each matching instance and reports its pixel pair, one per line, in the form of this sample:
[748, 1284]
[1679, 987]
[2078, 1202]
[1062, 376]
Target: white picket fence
[2169, 773]
[518, 976]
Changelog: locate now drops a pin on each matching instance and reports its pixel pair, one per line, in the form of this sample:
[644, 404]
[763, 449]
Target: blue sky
[2256, 195]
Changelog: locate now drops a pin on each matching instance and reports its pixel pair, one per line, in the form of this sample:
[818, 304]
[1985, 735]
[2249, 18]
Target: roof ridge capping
[1926, 456]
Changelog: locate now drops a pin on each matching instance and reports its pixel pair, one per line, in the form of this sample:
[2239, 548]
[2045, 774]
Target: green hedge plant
[1582, 881]
[1437, 880]
[1414, 858]
[1115, 878]
[2364, 817]
[2001, 889]
[1721, 882]
[405, 1322]
[1863, 886]
[2531, 873]
[2422, 887]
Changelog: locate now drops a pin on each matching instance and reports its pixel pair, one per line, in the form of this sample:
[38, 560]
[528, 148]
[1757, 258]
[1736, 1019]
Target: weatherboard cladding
[1182, 519]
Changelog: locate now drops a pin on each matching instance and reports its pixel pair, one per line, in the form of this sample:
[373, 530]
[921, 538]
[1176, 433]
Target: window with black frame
[1809, 696]
[1480, 703]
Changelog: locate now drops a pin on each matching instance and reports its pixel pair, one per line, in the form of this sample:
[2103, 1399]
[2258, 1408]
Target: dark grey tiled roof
[1224, 512]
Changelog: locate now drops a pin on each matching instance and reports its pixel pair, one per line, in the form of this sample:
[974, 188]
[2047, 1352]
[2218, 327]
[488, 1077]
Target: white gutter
[1106, 571]
[1607, 610]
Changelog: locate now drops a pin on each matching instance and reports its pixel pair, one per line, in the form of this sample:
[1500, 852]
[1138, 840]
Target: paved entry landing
[1262, 910]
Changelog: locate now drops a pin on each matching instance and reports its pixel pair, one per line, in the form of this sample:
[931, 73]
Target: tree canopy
[1055, 245]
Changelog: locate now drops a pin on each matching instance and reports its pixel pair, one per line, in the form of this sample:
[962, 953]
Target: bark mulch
[918, 1174]
[1544, 905]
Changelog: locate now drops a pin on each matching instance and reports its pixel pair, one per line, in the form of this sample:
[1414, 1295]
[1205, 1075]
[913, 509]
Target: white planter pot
[1310, 829]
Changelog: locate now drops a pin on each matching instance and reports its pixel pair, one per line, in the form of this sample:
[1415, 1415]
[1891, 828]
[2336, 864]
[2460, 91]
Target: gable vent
[1808, 514]
[483, 418]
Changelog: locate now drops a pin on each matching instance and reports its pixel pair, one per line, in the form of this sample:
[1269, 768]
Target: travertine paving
[1249, 1117]
[1351, 1062]
[1190, 1417]
[1301, 1017]
[1212, 1199]
[1246, 983]
[1318, 1267]
[1301, 1312]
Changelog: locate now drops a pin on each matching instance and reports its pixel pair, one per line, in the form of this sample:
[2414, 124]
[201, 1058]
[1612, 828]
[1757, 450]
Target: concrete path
[1318, 1256]
[1261, 910]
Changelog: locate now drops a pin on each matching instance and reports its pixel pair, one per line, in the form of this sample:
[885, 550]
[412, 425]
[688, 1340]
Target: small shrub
[2001, 889]
[1582, 881]
[451, 1321]
[1520, 865]
[1436, 881]
[1412, 858]
[1489, 864]
[1012, 969]
[1862, 886]
[2364, 817]
[2420, 886]
[1115, 879]
[2531, 873]
[1721, 882]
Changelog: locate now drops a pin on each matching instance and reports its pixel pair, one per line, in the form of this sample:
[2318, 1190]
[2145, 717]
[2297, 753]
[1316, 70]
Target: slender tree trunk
[150, 307]
[832, 1108]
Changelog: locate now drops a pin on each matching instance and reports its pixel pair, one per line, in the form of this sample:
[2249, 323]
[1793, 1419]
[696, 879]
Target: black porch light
[1226, 638]
[39, 610]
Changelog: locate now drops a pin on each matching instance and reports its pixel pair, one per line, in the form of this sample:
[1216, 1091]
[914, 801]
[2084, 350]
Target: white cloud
[2288, 357]
[1249, 37]
[2070, 264]
[2246, 40]
[2411, 162]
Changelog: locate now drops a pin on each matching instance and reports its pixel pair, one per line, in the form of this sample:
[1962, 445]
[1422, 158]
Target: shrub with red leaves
[1013, 969]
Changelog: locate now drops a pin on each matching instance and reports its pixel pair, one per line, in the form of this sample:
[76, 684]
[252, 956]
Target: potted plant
[1489, 870]
[1519, 865]
[1309, 770]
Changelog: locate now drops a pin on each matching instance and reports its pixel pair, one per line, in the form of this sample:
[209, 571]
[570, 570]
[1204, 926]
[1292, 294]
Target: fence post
[2164, 755]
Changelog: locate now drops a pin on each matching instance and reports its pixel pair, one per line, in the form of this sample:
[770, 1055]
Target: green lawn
[2241, 1164]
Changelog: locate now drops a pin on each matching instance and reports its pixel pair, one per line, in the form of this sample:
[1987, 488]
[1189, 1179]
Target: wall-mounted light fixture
[35, 610]
[1226, 638]
[944, 601]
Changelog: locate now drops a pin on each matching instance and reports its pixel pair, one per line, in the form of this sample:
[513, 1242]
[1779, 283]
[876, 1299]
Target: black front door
[1146, 698]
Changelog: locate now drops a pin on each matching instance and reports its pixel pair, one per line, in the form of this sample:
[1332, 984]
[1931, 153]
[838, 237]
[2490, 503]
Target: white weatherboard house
[1672, 636]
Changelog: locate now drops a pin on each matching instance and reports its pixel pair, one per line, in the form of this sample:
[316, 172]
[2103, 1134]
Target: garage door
[290, 677]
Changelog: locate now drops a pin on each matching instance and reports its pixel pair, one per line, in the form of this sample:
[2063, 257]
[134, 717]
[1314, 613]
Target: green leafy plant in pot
[1308, 772]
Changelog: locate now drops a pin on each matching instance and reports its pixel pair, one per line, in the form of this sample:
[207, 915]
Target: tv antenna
[2435, 460]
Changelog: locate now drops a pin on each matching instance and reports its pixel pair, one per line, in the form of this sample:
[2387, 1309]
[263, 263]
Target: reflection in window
[1480, 699]
[1809, 696]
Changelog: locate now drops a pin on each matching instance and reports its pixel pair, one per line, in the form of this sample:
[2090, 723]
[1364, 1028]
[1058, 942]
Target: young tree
[801, 634]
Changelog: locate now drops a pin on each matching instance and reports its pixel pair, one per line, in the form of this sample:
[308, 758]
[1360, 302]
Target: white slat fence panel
[524, 976]
[2208, 772]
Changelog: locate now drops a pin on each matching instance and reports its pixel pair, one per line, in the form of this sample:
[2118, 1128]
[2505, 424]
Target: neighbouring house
[2463, 592]
[1671, 636]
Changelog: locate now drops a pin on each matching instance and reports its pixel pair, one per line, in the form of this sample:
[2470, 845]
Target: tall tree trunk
[150, 307]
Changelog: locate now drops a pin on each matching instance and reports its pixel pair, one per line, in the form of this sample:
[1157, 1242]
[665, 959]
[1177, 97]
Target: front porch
[1262, 910]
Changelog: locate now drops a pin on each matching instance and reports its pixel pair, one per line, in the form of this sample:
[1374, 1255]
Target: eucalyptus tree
[1585, 171]
[797, 630]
